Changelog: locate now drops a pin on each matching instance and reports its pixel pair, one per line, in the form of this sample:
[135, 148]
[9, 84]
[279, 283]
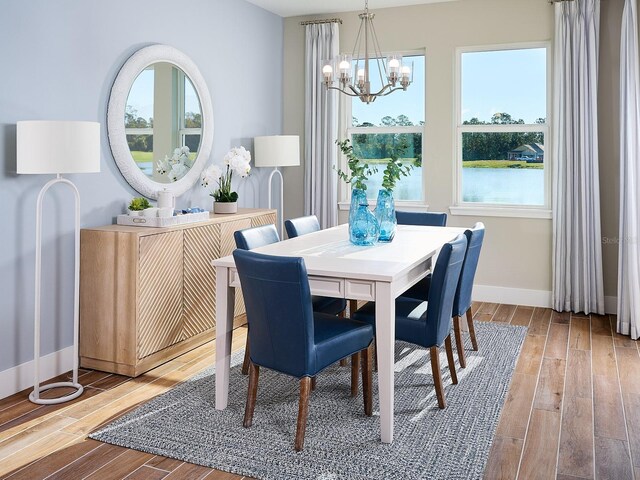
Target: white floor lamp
[277, 151]
[49, 147]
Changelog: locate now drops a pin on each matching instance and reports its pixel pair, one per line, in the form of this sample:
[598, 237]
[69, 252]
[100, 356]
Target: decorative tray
[159, 222]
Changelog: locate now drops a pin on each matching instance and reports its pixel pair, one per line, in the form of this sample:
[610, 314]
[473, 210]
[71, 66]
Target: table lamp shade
[277, 151]
[54, 147]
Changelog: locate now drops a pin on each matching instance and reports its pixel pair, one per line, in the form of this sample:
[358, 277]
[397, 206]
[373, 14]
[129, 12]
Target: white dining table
[337, 268]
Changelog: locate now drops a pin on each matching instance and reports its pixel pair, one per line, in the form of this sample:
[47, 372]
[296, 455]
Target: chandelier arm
[381, 92]
[356, 48]
[390, 91]
[378, 54]
[343, 91]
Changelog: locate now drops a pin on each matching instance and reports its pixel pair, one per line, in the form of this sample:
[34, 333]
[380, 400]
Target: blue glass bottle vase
[364, 230]
[385, 213]
[358, 197]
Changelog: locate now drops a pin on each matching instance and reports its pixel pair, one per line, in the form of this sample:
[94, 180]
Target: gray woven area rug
[341, 442]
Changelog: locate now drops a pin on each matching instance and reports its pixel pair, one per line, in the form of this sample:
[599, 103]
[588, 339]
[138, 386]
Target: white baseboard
[18, 378]
[522, 296]
[513, 296]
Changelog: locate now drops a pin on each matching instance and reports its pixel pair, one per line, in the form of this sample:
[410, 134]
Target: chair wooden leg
[437, 378]
[367, 393]
[313, 383]
[450, 360]
[472, 330]
[247, 360]
[355, 360]
[343, 362]
[303, 412]
[254, 373]
[459, 345]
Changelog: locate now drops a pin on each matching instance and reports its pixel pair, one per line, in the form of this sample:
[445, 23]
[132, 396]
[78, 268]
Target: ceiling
[293, 8]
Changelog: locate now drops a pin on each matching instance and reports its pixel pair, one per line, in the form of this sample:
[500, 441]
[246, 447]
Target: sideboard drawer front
[160, 289]
[201, 245]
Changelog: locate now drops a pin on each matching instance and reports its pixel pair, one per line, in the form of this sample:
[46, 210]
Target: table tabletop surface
[329, 252]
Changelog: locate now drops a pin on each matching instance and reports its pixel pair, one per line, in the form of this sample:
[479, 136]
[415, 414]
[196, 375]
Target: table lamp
[57, 147]
[277, 151]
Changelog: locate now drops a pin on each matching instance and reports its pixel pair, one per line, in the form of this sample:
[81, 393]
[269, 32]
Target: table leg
[225, 302]
[385, 345]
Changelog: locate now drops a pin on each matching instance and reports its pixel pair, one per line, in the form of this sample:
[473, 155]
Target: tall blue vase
[358, 197]
[386, 215]
[364, 230]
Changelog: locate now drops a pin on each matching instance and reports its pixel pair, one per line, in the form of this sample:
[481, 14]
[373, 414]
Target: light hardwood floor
[572, 411]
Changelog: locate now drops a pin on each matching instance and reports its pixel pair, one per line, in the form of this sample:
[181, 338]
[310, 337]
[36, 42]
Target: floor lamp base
[54, 401]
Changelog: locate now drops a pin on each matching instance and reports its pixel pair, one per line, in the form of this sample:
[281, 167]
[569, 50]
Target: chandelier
[393, 74]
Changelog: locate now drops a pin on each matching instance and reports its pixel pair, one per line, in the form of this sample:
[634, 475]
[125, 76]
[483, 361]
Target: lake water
[503, 185]
[481, 185]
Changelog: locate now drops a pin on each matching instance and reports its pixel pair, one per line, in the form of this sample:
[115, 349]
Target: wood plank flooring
[572, 411]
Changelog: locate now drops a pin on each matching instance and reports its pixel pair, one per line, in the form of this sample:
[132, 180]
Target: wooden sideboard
[147, 294]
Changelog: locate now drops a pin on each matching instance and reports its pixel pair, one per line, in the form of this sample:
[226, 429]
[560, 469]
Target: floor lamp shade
[49, 147]
[56, 147]
[277, 151]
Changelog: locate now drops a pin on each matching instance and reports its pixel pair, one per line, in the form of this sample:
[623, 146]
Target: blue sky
[506, 81]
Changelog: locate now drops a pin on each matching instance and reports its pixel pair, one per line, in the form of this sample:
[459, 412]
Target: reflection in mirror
[163, 122]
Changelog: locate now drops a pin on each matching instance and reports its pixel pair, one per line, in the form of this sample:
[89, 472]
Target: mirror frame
[116, 113]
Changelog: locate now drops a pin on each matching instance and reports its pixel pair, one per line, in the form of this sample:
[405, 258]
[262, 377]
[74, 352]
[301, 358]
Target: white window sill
[403, 206]
[494, 211]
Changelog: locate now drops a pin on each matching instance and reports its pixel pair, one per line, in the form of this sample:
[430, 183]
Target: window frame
[497, 209]
[346, 130]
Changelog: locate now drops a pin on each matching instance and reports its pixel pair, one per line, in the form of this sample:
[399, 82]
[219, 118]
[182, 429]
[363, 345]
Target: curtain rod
[327, 20]
[559, 1]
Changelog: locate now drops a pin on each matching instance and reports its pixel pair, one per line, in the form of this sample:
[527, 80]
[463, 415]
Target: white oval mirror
[160, 121]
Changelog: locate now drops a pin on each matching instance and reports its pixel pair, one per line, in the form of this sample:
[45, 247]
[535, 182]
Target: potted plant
[360, 172]
[137, 205]
[237, 161]
[385, 211]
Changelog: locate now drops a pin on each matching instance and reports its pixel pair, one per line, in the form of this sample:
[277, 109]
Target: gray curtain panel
[321, 127]
[629, 246]
[577, 247]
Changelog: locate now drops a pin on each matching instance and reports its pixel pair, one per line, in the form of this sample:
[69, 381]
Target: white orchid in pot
[237, 161]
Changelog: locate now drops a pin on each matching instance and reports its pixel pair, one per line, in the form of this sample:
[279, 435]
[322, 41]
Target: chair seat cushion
[328, 305]
[337, 338]
[411, 317]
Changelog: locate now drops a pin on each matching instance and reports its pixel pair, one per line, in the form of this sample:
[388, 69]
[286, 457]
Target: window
[391, 124]
[502, 128]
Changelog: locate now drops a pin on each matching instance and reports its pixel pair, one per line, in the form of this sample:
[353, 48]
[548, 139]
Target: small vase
[364, 229]
[358, 197]
[225, 207]
[386, 215]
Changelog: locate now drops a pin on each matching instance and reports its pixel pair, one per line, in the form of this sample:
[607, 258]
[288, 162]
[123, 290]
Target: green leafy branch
[360, 171]
[395, 169]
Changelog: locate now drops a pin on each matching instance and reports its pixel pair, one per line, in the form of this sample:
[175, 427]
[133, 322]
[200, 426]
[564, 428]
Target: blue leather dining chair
[248, 239]
[430, 219]
[297, 227]
[288, 336]
[427, 219]
[301, 226]
[428, 324]
[462, 301]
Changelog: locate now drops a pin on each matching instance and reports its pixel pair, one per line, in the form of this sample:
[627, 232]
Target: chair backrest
[279, 313]
[301, 226]
[255, 237]
[462, 300]
[444, 283]
[430, 219]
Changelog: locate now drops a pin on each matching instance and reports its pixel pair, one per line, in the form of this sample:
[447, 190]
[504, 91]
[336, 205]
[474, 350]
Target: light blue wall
[59, 59]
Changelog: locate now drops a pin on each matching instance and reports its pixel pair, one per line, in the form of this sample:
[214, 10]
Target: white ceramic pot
[225, 207]
[135, 213]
